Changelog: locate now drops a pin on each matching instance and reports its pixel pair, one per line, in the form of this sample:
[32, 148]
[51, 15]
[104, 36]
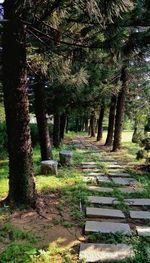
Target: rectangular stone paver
[95, 174]
[114, 166]
[87, 179]
[89, 166]
[143, 230]
[92, 170]
[103, 212]
[120, 174]
[107, 227]
[102, 200]
[140, 215]
[91, 252]
[138, 202]
[88, 163]
[130, 190]
[124, 181]
[100, 189]
[103, 179]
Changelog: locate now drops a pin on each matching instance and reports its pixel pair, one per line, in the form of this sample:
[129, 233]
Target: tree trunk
[63, 119]
[40, 111]
[120, 111]
[86, 125]
[100, 123]
[56, 130]
[21, 182]
[67, 123]
[92, 124]
[109, 139]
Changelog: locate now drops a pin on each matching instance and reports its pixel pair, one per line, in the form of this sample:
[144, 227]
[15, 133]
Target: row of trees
[83, 52]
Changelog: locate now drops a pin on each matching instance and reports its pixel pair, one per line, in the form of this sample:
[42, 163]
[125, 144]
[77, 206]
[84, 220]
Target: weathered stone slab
[65, 157]
[114, 166]
[100, 189]
[95, 174]
[130, 190]
[103, 179]
[91, 252]
[87, 179]
[107, 227]
[89, 166]
[49, 167]
[94, 170]
[102, 200]
[88, 163]
[140, 214]
[124, 181]
[103, 212]
[138, 202]
[143, 230]
[120, 174]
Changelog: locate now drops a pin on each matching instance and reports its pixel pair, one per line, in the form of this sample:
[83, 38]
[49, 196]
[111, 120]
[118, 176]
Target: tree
[120, 110]
[21, 183]
[111, 121]
[100, 122]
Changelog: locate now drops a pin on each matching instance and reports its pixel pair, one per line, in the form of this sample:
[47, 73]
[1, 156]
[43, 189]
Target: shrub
[35, 133]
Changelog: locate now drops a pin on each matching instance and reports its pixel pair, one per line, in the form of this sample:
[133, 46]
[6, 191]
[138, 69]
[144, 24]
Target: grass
[73, 193]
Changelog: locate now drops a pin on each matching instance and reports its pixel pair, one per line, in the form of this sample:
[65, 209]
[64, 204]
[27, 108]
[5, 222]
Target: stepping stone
[124, 181]
[91, 252]
[107, 227]
[140, 215]
[91, 170]
[89, 166]
[100, 189]
[49, 167]
[65, 157]
[114, 166]
[87, 179]
[102, 200]
[143, 230]
[138, 201]
[88, 163]
[120, 174]
[103, 179]
[103, 212]
[130, 190]
[96, 174]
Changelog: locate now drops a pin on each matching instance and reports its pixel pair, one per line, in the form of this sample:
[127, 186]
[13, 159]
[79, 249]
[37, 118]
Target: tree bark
[92, 124]
[120, 111]
[100, 123]
[86, 125]
[56, 130]
[21, 182]
[63, 119]
[40, 111]
[109, 139]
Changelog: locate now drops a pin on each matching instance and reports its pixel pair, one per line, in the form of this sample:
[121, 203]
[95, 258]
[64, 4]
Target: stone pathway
[102, 214]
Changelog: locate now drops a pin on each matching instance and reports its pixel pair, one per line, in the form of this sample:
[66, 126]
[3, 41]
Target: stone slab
[114, 166]
[102, 200]
[130, 190]
[96, 174]
[124, 181]
[87, 179]
[100, 189]
[143, 230]
[103, 212]
[91, 252]
[92, 170]
[89, 166]
[140, 215]
[120, 174]
[138, 201]
[88, 163]
[103, 179]
[107, 227]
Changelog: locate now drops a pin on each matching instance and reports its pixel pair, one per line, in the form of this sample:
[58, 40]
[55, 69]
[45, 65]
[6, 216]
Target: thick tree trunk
[56, 130]
[21, 182]
[120, 111]
[63, 119]
[40, 111]
[109, 139]
[92, 124]
[100, 123]
[67, 123]
[77, 124]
